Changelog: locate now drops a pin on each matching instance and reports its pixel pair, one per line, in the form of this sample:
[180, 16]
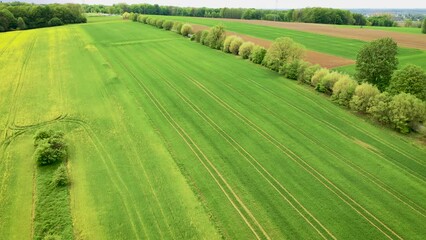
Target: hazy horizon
[266, 4]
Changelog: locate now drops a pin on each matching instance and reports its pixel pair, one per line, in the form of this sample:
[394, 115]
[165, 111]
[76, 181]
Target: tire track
[204, 160]
[253, 162]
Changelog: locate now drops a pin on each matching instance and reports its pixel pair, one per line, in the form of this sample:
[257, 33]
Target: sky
[265, 4]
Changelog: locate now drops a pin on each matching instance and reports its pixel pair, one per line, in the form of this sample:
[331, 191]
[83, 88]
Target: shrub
[125, 15]
[326, 84]
[410, 79]
[177, 27]
[318, 76]
[376, 62]
[227, 43]
[282, 50]
[203, 38]
[159, 23]
[362, 97]
[55, 22]
[186, 30]
[309, 72]
[293, 69]
[245, 50]
[42, 135]
[379, 107]
[153, 21]
[134, 17]
[45, 154]
[216, 36]
[60, 177]
[234, 48]
[406, 112]
[197, 36]
[343, 90]
[257, 54]
[167, 25]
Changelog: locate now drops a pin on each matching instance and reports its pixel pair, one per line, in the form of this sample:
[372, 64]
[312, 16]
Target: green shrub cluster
[50, 147]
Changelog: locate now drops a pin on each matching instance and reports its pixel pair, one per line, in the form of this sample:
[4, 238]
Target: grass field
[342, 47]
[170, 139]
[411, 30]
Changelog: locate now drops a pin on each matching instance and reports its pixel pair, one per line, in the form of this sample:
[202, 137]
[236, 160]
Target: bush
[406, 112]
[42, 135]
[50, 147]
[55, 22]
[197, 36]
[363, 94]
[343, 90]
[293, 69]
[258, 54]
[309, 72]
[227, 43]
[186, 30]
[376, 62]
[234, 48]
[282, 50]
[177, 27]
[159, 23]
[318, 76]
[60, 177]
[216, 36]
[167, 25]
[153, 21]
[326, 84]
[245, 50]
[379, 107]
[203, 38]
[134, 17]
[125, 15]
[410, 79]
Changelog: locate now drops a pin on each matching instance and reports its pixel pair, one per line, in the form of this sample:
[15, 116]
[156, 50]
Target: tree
[234, 48]
[406, 112]
[257, 54]
[362, 96]
[7, 20]
[318, 76]
[126, 16]
[293, 69]
[309, 72]
[186, 30]
[410, 79]
[379, 107]
[227, 43]
[343, 90]
[177, 26]
[21, 24]
[282, 50]
[359, 19]
[424, 26]
[216, 36]
[326, 83]
[197, 36]
[376, 62]
[203, 38]
[159, 23]
[245, 50]
[167, 25]
[55, 22]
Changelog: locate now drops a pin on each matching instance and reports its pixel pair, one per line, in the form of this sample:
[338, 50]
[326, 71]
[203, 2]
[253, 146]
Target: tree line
[394, 98]
[22, 16]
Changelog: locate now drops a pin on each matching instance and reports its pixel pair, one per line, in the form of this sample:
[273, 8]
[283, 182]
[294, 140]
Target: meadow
[169, 139]
[342, 47]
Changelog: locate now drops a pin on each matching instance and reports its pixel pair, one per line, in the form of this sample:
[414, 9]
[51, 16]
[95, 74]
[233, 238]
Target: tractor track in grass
[302, 163]
[252, 161]
[206, 162]
[340, 132]
[8, 44]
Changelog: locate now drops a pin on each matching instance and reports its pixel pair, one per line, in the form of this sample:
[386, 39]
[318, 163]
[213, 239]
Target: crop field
[337, 46]
[170, 139]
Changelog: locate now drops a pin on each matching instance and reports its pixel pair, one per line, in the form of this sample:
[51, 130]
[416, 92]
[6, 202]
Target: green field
[411, 30]
[342, 47]
[172, 140]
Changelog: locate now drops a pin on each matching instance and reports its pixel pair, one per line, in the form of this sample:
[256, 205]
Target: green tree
[245, 50]
[376, 62]
[379, 107]
[21, 24]
[203, 38]
[257, 54]
[318, 76]
[197, 36]
[186, 30]
[409, 79]
[177, 26]
[216, 36]
[227, 43]
[406, 112]
[309, 72]
[424, 26]
[7, 20]
[363, 94]
[343, 90]
[234, 48]
[55, 22]
[292, 70]
[282, 50]
[167, 25]
[326, 83]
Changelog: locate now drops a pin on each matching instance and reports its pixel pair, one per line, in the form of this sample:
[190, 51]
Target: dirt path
[403, 39]
[325, 60]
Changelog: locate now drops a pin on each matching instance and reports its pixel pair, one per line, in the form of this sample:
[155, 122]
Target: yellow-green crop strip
[169, 139]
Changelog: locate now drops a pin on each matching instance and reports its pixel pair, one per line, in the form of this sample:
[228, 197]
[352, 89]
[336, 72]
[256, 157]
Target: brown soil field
[324, 60]
[403, 39]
